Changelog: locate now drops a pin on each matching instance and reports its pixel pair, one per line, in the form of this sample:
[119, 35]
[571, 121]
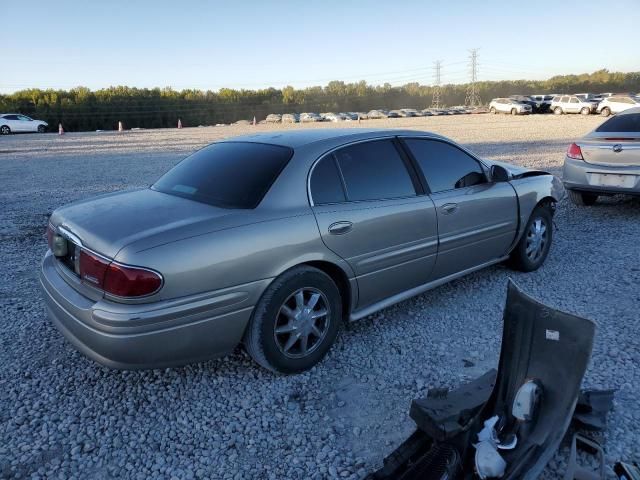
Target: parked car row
[371, 114]
[584, 103]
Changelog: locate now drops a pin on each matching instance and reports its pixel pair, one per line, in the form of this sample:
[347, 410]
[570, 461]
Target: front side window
[374, 171]
[445, 166]
[574, 100]
[326, 185]
[24, 118]
[226, 174]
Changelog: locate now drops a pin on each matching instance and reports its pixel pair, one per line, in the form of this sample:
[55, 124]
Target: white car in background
[509, 105]
[571, 104]
[17, 123]
[617, 104]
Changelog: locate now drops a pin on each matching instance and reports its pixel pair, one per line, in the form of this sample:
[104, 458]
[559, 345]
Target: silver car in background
[509, 105]
[606, 161]
[274, 240]
[17, 123]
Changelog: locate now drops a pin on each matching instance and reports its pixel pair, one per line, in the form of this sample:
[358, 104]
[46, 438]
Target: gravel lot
[63, 416]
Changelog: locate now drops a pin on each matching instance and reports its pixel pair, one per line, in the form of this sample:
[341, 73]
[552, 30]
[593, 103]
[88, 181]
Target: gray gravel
[63, 416]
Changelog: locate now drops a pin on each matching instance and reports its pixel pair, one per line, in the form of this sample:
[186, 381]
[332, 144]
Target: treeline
[82, 109]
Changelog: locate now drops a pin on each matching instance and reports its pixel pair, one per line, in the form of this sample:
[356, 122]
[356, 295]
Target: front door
[477, 219]
[369, 212]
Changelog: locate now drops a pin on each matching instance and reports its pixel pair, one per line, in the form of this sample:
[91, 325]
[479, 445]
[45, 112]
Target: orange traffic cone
[179, 123]
[254, 121]
[60, 129]
[120, 127]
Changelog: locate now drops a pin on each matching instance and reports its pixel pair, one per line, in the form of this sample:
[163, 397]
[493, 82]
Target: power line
[472, 98]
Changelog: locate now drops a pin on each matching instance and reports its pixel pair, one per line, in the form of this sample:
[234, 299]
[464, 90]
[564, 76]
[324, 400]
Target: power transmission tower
[472, 98]
[435, 103]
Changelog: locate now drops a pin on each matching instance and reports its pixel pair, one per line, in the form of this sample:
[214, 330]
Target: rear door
[372, 212]
[477, 219]
[12, 122]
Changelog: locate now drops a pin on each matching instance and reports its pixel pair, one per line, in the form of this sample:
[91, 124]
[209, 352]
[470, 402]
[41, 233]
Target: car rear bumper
[140, 336]
[580, 175]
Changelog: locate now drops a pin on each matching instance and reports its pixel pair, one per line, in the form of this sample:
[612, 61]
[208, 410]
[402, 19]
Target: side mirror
[498, 174]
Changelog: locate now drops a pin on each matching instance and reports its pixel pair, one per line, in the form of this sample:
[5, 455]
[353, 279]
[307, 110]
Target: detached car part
[577, 472]
[525, 407]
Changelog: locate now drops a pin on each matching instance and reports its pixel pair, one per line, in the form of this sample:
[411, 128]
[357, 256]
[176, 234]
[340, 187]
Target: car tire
[493, 110]
[5, 130]
[42, 129]
[585, 111]
[514, 111]
[288, 306]
[558, 111]
[582, 198]
[534, 245]
[606, 111]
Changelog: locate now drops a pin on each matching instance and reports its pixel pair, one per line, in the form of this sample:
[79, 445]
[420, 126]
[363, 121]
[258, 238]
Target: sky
[256, 44]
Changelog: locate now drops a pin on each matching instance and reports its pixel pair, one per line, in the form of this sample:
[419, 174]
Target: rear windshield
[621, 123]
[227, 174]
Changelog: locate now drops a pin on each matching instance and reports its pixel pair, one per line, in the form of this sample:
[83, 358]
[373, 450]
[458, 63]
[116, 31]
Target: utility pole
[435, 103]
[472, 98]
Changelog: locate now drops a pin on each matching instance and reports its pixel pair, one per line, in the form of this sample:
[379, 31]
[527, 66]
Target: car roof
[299, 138]
[629, 111]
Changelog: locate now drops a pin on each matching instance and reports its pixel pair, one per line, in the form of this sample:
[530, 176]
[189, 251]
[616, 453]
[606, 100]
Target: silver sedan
[275, 240]
[606, 161]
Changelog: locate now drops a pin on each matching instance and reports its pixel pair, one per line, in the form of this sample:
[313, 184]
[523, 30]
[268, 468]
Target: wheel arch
[348, 291]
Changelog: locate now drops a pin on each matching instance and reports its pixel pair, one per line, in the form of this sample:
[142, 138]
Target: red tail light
[117, 279]
[574, 152]
[125, 281]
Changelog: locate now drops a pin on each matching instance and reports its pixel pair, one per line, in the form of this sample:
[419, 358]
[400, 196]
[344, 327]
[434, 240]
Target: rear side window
[227, 174]
[326, 186]
[373, 171]
[564, 99]
[621, 123]
[445, 166]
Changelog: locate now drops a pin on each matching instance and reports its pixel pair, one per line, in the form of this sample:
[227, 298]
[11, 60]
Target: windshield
[227, 174]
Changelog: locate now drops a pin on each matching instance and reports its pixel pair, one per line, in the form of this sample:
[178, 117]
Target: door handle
[340, 228]
[449, 208]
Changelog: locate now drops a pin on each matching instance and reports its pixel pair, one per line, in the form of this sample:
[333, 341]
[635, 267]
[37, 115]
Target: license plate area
[612, 180]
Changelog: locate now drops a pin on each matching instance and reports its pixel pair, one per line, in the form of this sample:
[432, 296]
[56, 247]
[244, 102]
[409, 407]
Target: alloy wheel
[302, 322]
[537, 238]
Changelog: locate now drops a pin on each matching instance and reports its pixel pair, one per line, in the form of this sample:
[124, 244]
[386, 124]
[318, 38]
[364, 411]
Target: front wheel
[493, 110]
[5, 130]
[582, 198]
[585, 111]
[606, 111]
[533, 248]
[514, 111]
[295, 322]
[42, 129]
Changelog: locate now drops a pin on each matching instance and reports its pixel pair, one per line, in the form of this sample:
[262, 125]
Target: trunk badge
[617, 148]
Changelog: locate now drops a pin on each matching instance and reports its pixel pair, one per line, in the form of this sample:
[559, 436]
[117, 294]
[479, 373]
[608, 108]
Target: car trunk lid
[108, 223]
[612, 149]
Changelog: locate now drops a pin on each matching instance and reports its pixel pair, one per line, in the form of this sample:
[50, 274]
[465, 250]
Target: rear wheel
[514, 111]
[585, 111]
[606, 111]
[582, 198]
[295, 322]
[533, 248]
[557, 111]
[5, 130]
[493, 110]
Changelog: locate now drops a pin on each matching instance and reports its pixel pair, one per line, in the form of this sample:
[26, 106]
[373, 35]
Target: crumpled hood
[145, 218]
[515, 170]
